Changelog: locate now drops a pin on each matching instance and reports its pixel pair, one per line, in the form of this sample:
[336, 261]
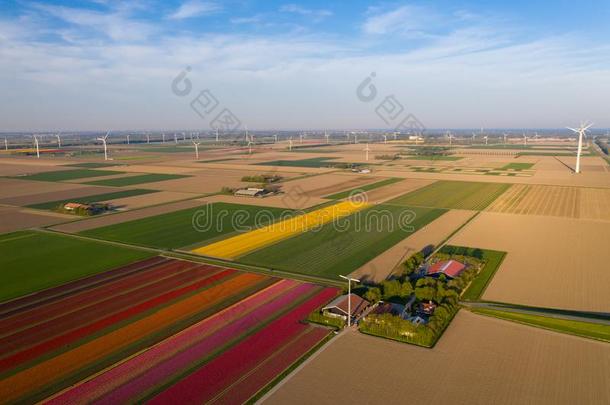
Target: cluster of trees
[387, 157]
[463, 251]
[432, 151]
[602, 145]
[262, 178]
[413, 263]
[389, 290]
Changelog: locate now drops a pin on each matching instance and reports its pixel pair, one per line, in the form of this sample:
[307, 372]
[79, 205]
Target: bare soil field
[324, 184]
[152, 169]
[146, 200]
[551, 262]
[479, 360]
[11, 188]
[280, 201]
[111, 219]
[433, 233]
[201, 184]
[62, 193]
[14, 219]
[385, 193]
[571, 202]
[16, 169]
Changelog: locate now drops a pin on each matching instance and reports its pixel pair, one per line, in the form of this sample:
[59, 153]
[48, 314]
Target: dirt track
[479, 360]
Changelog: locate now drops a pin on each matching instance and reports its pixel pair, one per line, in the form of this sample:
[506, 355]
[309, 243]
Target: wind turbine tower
[196, 150]
[367, 150]
[581, 134]
[103, 139]
[58, 140]
[37, 147]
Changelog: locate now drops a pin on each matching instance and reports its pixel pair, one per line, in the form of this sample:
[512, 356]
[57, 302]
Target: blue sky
[105, 64]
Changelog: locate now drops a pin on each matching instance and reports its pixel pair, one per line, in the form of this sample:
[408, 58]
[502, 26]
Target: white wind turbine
[147, 137]
[275, 137]
[103, 139]
[485, 137]
[349, 298]
[290, 143]
[327, 137]
[505, 136]
[184, 136]
[5, 143]
[163, 135]
[196, 150]
[249, 147]
[301, 137]
[473, 137]
[395, 136]
[385, 139]
[581, 131]
[524, 139]
[367, 150]
[58, 140]
[127, 139]
[175, 138]
[355, 138]
[37, 146]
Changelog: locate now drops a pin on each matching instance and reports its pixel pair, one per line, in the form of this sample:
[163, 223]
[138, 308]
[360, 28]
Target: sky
[124, 65]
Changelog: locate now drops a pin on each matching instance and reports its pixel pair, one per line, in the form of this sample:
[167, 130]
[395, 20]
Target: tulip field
[153, 330]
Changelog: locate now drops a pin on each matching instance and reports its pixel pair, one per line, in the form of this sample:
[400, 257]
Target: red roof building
[450, 268]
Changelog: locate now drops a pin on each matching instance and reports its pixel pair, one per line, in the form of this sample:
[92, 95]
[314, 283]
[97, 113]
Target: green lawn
[367, 187]
[493, 260]
[175, 229]
[62, 175]
[432, 157]
[31, 261]
[344, 246]
[517, 166]
[133, 180]
[584, 329]
[311, 162]
[91, 198]
[453, 194]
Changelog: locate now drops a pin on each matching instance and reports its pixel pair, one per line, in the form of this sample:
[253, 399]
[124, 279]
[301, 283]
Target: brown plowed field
[559, 201]
[479, 360]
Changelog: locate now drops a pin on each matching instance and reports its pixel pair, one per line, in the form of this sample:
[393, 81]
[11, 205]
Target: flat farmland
[475, 362]
[138, 179]
[16, 218]
[559, 201]
[551, 262]
[383, 265]
[343, 246]
[176, 229]
[87, 199]
[145, 200]
[63, 175]
[14, 188]
[31, 261]
[453, 194]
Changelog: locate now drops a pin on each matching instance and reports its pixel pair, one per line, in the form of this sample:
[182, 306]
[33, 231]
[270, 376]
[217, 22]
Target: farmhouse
[450, 268]
[72, 206]
[250, 192]
[338, 308]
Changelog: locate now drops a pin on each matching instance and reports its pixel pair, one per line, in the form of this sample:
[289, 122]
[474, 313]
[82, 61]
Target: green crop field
[92, 198]
[453, 194]
[585, 329]
[92, 165]
[493, 260]
[175, 229]
[311, 162]
[344, 246]
[31, 261]
[367, 187]
[133, 180]
[517, 166]
[432, 157]
[62, 175]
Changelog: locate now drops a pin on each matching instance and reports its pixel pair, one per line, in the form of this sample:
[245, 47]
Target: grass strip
[578, 328]
[367, 187]
[493, 260]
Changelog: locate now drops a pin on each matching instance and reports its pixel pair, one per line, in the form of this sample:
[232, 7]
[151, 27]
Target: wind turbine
[290, 144]
[58, 140]
[175, 138]
[5, 143]
[147, 137]
[327, 137]
[485, 137]
[355, 138]
[37, 148]
[127, 139]
[103, 139]
[196, 150]
[367, 150]
[524, 139]
[385, 139]
[275, 137]
[184, 136]
[473, 136]
[349, 297]
[505, 136]
[249, 147]
[301, 137]
[395, 136]
[163, 135]
[581, 134]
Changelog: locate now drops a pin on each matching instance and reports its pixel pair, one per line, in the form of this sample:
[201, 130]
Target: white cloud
[195, 8]
[402, 19]
[315, 14]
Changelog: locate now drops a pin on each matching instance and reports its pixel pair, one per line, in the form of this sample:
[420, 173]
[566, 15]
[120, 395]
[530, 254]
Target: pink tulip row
[163, 362]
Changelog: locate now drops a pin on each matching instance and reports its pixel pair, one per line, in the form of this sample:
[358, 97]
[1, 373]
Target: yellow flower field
[241, 244]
